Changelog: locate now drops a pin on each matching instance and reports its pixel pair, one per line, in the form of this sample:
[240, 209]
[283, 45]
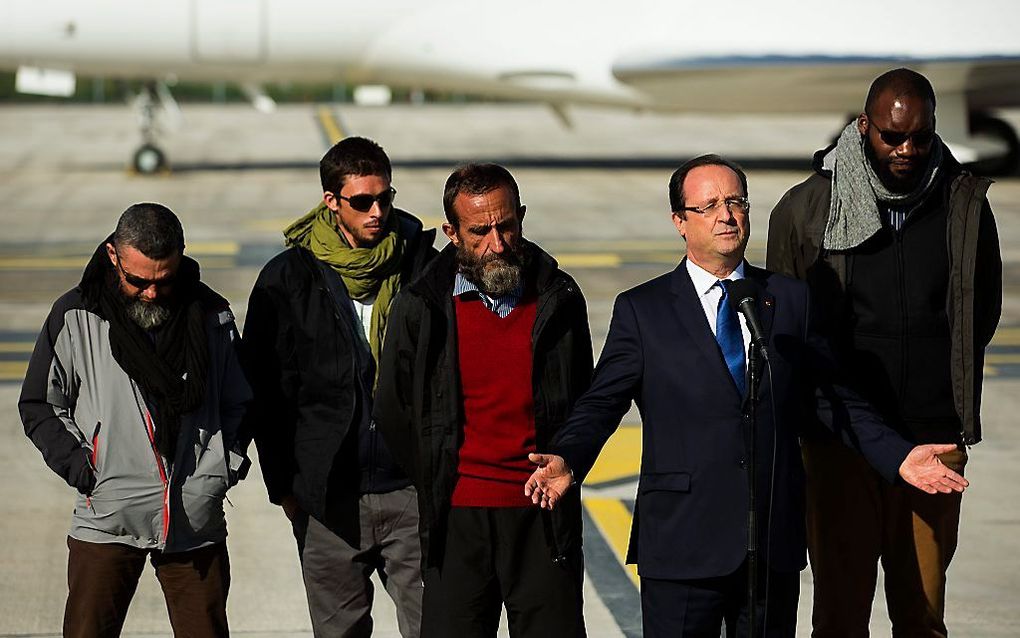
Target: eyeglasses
[363, 203]
[142, 283]
[896, 139]
[735, 205]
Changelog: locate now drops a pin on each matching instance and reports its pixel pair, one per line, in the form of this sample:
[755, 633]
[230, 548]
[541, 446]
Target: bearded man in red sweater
[487, 350]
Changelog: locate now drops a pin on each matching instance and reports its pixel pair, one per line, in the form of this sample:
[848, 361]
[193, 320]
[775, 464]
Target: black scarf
[172, 368]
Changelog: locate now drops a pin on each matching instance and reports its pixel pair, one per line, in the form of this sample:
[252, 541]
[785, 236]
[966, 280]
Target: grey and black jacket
[88, 418]
[973, 298]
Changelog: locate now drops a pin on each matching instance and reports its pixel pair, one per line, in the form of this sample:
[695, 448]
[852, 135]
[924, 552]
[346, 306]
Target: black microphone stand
[756, 354]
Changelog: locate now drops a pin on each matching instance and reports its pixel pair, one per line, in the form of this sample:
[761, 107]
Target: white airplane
[737, 56]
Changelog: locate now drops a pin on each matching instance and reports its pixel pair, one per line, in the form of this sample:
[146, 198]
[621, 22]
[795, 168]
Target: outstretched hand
[550, 481]
[923, 469]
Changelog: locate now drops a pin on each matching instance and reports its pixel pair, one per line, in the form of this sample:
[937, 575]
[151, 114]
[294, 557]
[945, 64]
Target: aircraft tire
[148, 159]
[987, 125]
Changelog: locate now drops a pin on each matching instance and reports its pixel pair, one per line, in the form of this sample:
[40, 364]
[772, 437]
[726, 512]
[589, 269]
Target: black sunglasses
[363, 203]
[894, 139]
[140, 282]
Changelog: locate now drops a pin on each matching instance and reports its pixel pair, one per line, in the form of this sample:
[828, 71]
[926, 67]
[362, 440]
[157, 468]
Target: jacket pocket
[665, 482]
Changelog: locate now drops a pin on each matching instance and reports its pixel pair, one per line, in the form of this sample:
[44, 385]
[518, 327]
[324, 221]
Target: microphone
[742, 295]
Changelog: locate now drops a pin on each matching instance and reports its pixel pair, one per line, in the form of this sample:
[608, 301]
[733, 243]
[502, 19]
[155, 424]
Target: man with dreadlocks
[898, 244]
[316, 320]
[134, 396]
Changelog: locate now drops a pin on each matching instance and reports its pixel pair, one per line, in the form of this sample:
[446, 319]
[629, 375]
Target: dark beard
[495, 275]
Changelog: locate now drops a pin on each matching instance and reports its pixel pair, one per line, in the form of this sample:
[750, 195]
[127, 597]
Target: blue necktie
[731, 342]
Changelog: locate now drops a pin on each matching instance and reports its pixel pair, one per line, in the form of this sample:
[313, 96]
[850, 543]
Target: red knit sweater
[499, 416]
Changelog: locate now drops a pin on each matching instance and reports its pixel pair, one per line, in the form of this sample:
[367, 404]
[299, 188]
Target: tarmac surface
[596, 196]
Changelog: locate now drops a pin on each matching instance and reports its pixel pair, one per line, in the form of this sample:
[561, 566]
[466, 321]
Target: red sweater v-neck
[499, 410]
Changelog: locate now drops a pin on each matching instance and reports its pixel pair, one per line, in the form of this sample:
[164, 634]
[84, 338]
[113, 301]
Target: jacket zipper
[94, 461]
[902, 294]
[162, 477]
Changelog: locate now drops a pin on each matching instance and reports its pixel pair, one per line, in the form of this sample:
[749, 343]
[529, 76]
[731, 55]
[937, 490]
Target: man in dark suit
[677, 348]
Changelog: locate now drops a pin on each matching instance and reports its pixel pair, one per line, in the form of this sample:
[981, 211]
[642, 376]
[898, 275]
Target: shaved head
[900, 83]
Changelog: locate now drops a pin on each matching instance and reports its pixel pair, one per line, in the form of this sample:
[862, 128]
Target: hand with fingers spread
[923, 469]
[550, 481]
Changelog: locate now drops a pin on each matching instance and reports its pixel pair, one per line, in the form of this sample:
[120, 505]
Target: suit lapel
[687, 305]
[766, 301]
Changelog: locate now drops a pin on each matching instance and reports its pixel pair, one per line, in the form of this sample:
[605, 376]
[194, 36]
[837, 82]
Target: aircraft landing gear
[985, 125]
[154, 97]
[148, 159]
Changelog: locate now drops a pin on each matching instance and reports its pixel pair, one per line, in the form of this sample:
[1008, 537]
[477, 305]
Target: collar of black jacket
[436, 281]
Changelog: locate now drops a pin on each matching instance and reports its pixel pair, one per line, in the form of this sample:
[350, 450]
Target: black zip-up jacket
[301, 358]
[418, 405]
[973, 297]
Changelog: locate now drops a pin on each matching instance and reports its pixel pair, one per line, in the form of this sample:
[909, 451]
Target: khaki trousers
[856, 520]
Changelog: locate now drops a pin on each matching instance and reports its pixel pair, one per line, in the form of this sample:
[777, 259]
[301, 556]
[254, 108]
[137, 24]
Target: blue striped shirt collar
[502, 306]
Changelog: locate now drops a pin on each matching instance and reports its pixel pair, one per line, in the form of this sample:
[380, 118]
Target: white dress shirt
[709, 293]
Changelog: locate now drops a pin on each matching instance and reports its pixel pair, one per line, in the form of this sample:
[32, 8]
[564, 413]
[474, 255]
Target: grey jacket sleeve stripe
[48, 396]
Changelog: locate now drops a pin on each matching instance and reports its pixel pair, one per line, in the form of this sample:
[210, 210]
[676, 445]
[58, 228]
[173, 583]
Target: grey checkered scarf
[856, 190]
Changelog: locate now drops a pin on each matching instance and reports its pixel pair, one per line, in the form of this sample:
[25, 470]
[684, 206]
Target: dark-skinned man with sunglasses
[898, 244]
[134, 395]
[315, 325]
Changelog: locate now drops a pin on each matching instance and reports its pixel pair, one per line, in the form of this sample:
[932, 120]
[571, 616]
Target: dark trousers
[499, 556]
[856, 520]
[696, 608]
[337, 575]
[102, 578]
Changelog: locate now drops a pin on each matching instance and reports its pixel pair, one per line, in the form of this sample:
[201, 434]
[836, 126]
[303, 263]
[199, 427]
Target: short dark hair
[352, 156]
[476, 179]
[902, 82]
[676, 180]
[151, 229]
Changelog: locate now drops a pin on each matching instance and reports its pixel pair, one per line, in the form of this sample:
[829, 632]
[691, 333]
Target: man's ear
[862, 123]
[112, 253]
[331, 201]
[679, 222]
[451, 231]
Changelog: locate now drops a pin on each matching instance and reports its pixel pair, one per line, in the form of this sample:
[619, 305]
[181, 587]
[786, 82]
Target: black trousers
[499, 556]
[697, 608]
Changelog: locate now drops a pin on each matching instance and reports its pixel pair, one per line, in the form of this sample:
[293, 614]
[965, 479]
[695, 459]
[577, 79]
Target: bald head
[900, 83]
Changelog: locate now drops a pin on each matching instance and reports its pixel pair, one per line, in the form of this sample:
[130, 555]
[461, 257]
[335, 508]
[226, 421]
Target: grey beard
[495, 275]
[147, 315]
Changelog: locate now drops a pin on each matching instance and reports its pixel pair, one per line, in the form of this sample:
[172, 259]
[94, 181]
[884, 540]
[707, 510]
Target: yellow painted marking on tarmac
[330, 124]
[1002, 358]
[620, 458]
[17, 346]
[589, 260]
[613, 520]
[1006, 337]
[212, 248]
[42, 263]
[991, 371]
[198, 249]
[13, 370]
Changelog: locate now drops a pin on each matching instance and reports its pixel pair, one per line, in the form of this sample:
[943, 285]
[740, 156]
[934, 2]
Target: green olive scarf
[365, 271]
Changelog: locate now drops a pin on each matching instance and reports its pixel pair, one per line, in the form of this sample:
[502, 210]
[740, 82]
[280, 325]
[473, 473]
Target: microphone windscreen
[738, 290]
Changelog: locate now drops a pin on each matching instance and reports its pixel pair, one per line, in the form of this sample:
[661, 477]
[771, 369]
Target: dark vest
[896, 343]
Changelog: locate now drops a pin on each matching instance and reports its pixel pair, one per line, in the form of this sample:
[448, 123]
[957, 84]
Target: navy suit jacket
[690, 518]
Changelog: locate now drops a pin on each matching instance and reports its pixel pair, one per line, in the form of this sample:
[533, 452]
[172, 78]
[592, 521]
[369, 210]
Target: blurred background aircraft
[748, 56]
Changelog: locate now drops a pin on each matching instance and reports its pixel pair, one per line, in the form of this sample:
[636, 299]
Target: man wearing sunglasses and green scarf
[316, 321]
[898, 244]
